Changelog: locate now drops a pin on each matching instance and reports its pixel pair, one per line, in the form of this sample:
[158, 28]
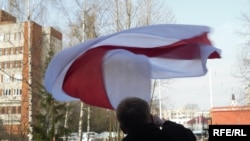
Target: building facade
[236, 115]
[191, 118]
[24, 47]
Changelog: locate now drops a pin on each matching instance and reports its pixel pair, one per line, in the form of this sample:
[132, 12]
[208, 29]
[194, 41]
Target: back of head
[132, 112]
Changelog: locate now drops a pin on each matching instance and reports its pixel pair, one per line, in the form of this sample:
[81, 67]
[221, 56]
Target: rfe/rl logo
[229, 132]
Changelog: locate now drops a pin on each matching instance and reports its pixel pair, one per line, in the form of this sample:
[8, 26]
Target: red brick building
[237, 115]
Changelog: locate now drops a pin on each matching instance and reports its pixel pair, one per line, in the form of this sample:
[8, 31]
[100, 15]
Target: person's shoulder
[174, 131]
[147, 137]
[148, 132]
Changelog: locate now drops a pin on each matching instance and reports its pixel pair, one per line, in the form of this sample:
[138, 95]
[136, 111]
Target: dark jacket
[169, 132]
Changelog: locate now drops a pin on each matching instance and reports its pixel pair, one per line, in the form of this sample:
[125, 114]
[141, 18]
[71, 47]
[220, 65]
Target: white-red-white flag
[103, 71]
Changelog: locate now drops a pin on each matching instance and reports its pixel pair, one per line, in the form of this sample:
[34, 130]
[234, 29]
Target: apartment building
[24, 47]
[183, 115]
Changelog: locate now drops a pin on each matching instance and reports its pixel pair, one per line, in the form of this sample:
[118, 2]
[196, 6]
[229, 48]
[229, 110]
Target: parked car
[86, 136]
[200, 134]
[89, 136]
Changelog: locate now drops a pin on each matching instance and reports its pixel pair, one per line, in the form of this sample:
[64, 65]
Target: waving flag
[103, 71]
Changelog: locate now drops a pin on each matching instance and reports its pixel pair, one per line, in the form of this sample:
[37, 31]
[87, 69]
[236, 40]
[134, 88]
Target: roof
[199, 119]
[230, 108]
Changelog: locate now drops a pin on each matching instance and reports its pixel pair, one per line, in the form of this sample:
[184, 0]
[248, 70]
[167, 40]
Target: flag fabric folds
[103, 71]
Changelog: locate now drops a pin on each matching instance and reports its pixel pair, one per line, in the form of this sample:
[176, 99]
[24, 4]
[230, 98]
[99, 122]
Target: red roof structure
[198, 120]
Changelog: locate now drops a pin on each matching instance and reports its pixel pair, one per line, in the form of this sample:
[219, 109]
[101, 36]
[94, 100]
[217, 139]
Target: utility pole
[160, 105]
[210, 88]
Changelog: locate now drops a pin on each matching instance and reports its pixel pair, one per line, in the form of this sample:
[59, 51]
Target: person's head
[132, 112]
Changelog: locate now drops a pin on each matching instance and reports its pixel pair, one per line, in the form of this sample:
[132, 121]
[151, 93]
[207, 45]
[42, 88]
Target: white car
[89, 136]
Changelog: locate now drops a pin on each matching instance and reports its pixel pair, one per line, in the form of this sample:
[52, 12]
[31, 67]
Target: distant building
[233, 101]
[24, 47]
[199, 123]
[179, 115]
[233, 114]
[183, 116]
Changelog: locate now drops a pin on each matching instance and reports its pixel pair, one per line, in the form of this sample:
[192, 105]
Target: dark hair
[132, 112]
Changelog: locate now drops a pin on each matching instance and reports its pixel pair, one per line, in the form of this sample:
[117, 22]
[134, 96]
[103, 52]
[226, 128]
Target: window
[19, 109]
[18, 50]
[18, 77]
[17, 64]
[12, 51]
[2, 65]
[17, 92]
[7, 64]
[6, 51]
[6, 36]
[6, 92]
[6, 78]
[14, 91]
[11, 64]
[1, 36]
[3, 110]
[12, 36]
[18, 36]
[13, 110]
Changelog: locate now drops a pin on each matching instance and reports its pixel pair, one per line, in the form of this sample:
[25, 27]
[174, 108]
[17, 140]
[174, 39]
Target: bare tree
[125, 14]
[37, 11]
[243, 57]
[244, 53]
[83, 20]
[191, 106]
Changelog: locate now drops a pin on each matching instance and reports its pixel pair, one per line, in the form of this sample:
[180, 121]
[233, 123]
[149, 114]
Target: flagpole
[160, 99]
[210, 88]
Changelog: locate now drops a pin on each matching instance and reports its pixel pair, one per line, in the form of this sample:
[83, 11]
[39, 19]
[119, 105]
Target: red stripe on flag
[84, 79]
